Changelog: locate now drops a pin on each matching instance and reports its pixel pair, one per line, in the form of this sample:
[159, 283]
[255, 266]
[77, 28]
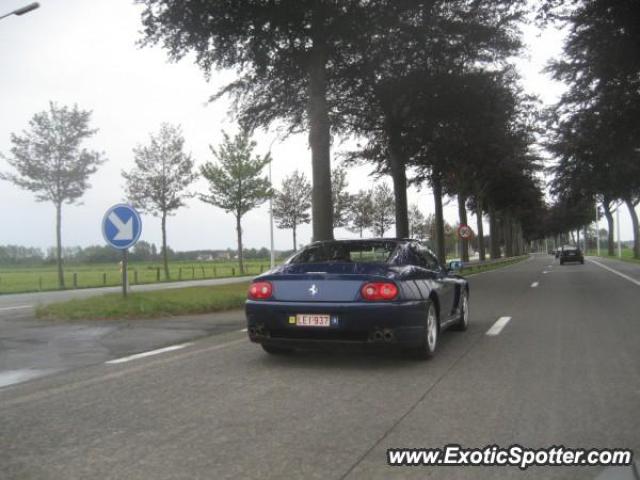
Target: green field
[627, 254]
[176, 301]
[33, 279]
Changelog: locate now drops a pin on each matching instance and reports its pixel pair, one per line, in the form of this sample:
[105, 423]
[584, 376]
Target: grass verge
[485, 267]
[162, 303]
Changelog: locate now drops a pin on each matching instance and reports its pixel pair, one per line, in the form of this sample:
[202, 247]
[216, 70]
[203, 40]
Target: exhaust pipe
[378, 336]
[388, 335]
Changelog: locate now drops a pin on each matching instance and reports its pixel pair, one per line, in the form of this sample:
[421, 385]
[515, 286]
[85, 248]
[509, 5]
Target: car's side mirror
[454, 266]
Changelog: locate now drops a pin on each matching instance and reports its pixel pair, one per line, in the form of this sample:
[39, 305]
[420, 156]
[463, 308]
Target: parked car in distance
[570, 253]
[378, 292]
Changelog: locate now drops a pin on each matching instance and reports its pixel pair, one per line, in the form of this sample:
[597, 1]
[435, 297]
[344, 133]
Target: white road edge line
[535, 284]
[148, 354]
[17, 307]
[620, 274]
[497, 327]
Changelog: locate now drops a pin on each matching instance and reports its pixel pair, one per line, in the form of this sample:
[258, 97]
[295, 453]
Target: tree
[341, 198]
[236, 184]
[383, 209]
[50, 161]
[417, 223]
[158, 183]
[413, 48]
[292, 203]
[361, 212]
[286, 56]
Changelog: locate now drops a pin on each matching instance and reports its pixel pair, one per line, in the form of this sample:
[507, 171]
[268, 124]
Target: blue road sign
[121, 226]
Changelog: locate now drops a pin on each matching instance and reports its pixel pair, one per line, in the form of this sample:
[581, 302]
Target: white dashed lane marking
[497, 327]
[148, 354]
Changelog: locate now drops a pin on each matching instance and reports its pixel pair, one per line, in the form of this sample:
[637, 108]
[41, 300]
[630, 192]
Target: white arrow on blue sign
[121, 226]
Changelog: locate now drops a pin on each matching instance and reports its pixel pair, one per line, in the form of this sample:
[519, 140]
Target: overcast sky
[85, 52]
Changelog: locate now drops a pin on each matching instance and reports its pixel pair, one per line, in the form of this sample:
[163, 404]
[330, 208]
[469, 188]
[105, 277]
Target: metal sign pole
[125, 257]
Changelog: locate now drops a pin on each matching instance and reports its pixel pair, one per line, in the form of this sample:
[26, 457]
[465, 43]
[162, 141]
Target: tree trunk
[517, 239]
[578, 237]
[165, 256]
[59, 245]
[462, 213]
[634, 222]
[606, 204]
[399, 176]
[239, 232]
[508, 240]
[480, 236]
[585, 236]
[437, 198]
[494, 237]
[319, 134]
[295, 247]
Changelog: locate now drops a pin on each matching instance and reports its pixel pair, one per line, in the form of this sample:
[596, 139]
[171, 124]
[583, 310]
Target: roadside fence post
[157, 274]
[75, 280]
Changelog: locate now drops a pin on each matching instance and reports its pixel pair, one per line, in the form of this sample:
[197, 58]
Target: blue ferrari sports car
[386, 292]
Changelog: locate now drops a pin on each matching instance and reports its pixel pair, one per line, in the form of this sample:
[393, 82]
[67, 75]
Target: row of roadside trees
[594, 130]
[425, 86]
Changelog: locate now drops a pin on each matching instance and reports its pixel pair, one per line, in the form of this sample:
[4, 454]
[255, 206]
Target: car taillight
[260, 290]
[379, 291]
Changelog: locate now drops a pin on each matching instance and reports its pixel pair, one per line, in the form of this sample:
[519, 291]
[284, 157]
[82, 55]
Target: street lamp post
[21, 11]
[618, 231]
[597, 230]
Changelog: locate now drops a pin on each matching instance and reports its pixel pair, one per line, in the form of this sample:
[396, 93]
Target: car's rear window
[356, 252]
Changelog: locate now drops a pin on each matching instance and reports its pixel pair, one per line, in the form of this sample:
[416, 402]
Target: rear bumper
[572, 259]
[359, 324]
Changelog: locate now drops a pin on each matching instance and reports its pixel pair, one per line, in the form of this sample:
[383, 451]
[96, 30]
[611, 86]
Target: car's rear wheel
[463, 321]
[431, 334]
[271, 350]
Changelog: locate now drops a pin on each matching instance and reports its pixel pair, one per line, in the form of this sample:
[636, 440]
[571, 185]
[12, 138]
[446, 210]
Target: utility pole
[272, 251]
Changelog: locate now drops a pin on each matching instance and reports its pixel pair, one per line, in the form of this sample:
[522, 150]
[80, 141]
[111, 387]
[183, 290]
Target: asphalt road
[564, 370]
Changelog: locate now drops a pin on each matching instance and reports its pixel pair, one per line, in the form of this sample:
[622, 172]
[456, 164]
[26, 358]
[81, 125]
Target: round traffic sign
[121, 226]
[465, 232]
